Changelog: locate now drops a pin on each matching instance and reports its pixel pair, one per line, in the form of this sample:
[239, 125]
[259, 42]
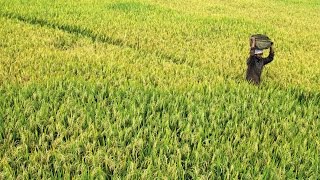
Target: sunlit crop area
[149, 89]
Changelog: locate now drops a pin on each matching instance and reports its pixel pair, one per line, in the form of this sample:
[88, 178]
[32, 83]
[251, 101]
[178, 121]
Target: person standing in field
[256, 62]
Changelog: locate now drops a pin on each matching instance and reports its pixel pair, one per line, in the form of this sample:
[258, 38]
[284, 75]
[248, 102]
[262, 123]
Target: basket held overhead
[262, 41]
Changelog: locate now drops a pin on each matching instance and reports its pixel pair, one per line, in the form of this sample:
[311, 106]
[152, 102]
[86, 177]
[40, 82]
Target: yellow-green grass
[145, 89]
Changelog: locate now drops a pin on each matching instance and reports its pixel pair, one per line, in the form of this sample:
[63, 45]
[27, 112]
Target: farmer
[256, 62]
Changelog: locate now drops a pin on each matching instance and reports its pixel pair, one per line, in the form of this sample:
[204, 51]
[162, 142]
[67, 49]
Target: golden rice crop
[152, 89]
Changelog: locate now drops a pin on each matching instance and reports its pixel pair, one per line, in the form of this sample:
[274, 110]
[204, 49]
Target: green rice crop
[150, 89]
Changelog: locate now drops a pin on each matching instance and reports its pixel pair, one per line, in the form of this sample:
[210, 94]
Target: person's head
[258, 52]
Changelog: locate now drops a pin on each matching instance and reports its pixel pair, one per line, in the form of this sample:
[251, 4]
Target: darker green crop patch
[131, 7]
[142, 11]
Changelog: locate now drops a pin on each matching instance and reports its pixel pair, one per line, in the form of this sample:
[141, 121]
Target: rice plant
[150, 89]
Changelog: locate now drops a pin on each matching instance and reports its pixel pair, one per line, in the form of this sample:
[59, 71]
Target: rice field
[149, 89]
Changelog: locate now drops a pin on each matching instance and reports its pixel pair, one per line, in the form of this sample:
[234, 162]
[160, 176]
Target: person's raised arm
[252, 45]
[270, 57]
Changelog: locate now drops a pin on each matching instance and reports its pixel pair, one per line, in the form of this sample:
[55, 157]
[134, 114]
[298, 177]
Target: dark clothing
[255, 66]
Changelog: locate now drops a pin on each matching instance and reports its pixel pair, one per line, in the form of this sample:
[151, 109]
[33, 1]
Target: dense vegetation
[147, 88]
